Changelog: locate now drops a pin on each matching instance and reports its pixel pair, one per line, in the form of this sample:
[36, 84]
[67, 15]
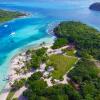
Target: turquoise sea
[21, 33]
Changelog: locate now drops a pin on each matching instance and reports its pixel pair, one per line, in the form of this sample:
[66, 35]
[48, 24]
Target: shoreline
[11, 72]
[25, 15]
[5, 91]
[18, 51]
[51, 28]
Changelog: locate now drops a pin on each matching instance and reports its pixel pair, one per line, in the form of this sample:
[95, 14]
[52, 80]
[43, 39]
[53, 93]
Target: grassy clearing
[10, 95]
[61, 64]
[69, 52]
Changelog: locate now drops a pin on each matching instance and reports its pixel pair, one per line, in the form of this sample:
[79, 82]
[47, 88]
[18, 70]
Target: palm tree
[18, 71]
[42, 44]
[24, 70]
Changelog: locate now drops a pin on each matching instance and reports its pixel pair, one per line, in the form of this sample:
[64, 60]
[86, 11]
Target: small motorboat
[5, 25]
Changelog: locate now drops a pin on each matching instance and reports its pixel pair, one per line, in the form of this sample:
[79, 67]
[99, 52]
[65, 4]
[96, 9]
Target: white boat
[13, 33]
[5, 25]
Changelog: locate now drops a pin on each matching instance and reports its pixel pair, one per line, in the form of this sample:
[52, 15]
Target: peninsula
[9, 15]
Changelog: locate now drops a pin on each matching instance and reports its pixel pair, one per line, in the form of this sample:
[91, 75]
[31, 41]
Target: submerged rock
[95, 6]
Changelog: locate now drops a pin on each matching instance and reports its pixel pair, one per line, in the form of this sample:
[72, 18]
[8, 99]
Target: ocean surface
[18, 34]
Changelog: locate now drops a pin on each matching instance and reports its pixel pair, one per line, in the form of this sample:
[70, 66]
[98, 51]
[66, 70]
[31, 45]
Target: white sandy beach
[17, 62]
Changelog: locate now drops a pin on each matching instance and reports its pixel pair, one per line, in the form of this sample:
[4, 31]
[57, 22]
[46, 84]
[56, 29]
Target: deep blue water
[22, 32]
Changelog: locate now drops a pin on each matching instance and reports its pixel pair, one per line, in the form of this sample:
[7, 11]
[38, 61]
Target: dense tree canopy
[59, 42]
[84, 70]
[85, 74]
[38, 90]
[38, 56]
[86, 38]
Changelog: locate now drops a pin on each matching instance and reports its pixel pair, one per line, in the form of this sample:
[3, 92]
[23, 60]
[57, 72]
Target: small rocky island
[95, 6]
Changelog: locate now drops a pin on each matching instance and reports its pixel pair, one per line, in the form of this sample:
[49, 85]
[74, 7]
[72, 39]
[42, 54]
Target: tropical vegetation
[8, 15]
[85, 38]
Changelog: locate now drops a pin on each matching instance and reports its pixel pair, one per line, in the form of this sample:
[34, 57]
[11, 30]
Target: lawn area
[69, 52]
[10, 95]
[61, 64]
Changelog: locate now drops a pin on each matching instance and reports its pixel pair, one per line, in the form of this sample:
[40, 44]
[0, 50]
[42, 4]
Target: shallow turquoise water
[19, 33]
